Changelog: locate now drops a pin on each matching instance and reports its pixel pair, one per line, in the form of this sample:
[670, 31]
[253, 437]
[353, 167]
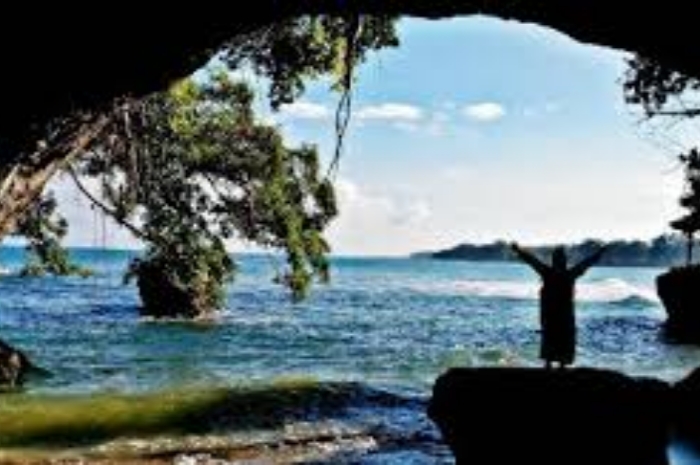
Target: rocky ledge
[580, 416]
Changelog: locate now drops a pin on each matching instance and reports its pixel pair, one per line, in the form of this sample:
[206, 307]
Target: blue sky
[476, 129]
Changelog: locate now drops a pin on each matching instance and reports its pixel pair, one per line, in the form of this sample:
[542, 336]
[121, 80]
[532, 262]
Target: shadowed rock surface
[579, 416]
[686, 411]
[163, 298]
[680, 294]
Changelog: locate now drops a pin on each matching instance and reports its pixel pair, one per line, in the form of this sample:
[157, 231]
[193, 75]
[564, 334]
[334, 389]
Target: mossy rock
[14, 366]
[163, 297]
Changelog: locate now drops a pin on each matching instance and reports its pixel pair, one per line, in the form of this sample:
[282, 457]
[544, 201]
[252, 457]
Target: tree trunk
[24, 182]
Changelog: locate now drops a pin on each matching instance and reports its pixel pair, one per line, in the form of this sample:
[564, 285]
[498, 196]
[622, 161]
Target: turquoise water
[394, 323]
[390, 324]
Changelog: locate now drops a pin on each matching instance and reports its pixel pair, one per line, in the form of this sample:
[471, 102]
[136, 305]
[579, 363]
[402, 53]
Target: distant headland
[663, 251]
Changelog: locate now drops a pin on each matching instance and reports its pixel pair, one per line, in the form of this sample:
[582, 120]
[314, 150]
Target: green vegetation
[44, 230]
[290, 52]
[191, 168]
[200, 169]
[661, 251]
[52, 421]
[663, 93]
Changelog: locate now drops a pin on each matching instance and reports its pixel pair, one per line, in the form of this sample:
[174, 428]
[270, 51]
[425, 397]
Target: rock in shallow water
[508, 416]
[14, 365]
[680, 294]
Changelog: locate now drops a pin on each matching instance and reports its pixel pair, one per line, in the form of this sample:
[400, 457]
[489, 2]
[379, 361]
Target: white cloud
[405, 117]
[305, 110]
[371, 222]
[408, 212]
[484, 112]
[393, 112]
[398, 209]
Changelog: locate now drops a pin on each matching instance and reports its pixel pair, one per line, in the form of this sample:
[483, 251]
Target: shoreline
[297, 421]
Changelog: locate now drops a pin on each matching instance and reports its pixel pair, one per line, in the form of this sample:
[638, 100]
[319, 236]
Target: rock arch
[59, 58]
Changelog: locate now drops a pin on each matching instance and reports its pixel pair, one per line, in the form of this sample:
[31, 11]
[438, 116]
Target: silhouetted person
[558, 343]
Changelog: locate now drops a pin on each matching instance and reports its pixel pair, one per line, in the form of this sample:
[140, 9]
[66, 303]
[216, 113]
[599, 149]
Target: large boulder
[686, 409]
[161, 297]
[581, 416]
[679, 291]
[14, 366]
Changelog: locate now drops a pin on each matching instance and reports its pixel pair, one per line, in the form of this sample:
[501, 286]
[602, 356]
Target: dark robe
[557, 304]
[557, 316]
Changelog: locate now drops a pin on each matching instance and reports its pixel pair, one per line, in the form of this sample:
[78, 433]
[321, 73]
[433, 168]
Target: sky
[474, 129]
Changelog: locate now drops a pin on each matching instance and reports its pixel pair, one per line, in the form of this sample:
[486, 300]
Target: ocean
[374, 340]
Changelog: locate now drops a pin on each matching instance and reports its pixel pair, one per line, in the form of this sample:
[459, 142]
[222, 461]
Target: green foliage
[296, 49]
[663, 92]
[196, 169]
[44, 230]
[192, 275]
[39, 422]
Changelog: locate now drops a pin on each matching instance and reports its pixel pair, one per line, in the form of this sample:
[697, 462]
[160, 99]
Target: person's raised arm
[529, 259]
[581, 267]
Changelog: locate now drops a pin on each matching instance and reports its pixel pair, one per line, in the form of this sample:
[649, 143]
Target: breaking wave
[610, 290]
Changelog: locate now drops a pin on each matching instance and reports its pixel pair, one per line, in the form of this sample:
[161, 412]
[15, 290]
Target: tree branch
[107, 210]
[687, 113]
[25, 182]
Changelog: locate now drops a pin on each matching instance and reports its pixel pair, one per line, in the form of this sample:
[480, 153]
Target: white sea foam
[605, 290]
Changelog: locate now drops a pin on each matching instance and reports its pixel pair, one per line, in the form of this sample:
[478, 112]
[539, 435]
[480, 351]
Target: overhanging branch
[106, 209]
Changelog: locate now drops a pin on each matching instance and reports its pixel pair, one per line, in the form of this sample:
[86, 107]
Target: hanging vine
[343, 110]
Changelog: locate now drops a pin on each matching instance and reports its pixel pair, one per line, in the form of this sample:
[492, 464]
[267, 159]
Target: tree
[155, 161]
[286, 203]
[659, 90]
[666, 93]
[44, 230]
[286, 54]
[192, 168]
[689, 224]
